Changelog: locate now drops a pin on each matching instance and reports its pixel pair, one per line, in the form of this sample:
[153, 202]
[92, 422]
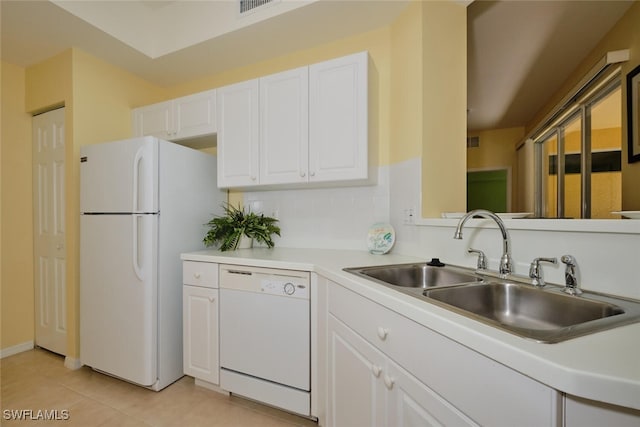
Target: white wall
[325, 217]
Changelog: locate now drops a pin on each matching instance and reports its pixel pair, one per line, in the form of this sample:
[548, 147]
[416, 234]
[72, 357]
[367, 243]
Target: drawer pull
[376, 370]
[389, 382]
[382, 333]
[196, 275]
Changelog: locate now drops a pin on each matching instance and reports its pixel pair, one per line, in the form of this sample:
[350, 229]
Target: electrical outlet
[408, 216]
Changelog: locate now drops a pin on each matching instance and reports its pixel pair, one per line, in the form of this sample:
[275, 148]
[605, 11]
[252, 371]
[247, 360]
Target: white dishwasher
[265, 334]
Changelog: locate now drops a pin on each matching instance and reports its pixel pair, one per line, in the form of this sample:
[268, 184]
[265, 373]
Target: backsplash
[337, 217]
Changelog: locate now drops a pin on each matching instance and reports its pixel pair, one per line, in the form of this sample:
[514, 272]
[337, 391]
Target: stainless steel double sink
[545, 315]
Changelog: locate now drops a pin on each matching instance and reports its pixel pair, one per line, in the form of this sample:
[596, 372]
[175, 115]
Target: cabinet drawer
[473, 383]
[203, 274]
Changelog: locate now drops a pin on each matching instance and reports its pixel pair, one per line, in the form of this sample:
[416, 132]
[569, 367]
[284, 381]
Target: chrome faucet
[482, 259]
[506, 263]
[535, 271]
[570, 279]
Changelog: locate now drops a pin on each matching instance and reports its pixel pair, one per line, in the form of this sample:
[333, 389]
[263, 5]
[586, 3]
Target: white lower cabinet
[366, 388]
[580, 412]
[200, 308]
[200, 328]
[384, 369]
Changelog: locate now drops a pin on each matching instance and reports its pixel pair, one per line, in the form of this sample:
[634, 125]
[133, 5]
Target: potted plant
[230, 228]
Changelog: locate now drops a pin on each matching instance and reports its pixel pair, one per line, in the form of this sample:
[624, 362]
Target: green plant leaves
[228, 229]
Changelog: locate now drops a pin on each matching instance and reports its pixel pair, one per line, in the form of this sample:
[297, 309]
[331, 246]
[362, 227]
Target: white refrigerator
[143, 201]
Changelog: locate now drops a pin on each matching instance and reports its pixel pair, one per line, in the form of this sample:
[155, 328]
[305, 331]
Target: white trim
[210, 386]
[72, 363]
[19, 348]
[613, 57]
[614, 226]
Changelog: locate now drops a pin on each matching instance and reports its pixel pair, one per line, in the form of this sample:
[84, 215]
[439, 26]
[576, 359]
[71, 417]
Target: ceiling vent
[473, 142]
[247, 6]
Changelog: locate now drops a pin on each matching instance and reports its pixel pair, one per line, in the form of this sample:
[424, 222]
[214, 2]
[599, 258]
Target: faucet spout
[506, 263]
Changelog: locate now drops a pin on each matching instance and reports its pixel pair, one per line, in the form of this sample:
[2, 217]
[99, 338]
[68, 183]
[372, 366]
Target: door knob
[376, 370]
[382, 333]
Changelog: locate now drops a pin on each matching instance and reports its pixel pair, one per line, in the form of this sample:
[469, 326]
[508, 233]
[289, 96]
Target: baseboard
[210, 386]
[71, 363]
[10, 351]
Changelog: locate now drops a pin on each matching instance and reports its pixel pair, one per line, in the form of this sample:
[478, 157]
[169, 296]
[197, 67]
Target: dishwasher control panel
[278, 285]
[286, 283]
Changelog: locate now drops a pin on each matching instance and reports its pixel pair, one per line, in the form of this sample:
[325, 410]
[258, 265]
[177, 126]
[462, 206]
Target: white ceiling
[519, 52]
[171, 42]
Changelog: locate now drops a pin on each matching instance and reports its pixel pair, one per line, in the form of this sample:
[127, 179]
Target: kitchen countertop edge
[603, 366]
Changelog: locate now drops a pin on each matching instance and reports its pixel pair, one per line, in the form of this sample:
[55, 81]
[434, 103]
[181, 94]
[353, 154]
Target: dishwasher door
[265, 324]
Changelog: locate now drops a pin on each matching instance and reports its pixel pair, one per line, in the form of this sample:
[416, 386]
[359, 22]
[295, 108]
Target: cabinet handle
[212, 299]
[389, 382]
[196, 275]
[382, 333]
[302, 174]
[312, 173]
[253, 178]
[376, 370]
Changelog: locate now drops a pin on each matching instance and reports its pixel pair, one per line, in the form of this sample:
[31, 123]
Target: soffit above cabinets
[171, 42]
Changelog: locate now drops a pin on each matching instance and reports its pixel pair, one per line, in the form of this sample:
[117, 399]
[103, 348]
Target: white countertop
[604, 366]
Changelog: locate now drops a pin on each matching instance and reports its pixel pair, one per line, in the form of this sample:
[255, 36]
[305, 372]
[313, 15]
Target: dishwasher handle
[243, 272]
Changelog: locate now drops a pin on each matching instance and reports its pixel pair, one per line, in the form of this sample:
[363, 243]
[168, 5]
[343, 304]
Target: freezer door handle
[136, 178]
[137, 268]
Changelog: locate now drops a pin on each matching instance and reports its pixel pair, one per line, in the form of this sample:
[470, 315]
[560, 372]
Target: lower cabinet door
[579, 412]
[356, 393]
[200, 333]
[412, 403]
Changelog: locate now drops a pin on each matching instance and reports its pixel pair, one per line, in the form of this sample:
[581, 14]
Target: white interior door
[49, 231]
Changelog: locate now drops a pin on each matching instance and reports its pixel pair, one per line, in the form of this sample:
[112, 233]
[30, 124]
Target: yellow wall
[625, 35]
[98, 98]
[406, 80]
[444, 117]
[16, 237]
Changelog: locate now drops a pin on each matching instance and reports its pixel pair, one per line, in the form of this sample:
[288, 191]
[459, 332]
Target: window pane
[572, 179]
[550, 184]
[606, 139]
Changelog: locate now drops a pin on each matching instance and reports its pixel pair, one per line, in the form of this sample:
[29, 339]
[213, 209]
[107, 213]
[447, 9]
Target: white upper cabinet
[284, 127]
[153, 120]
[338, 137]
[300, 126]
[238, 135]
[195, 115]
[186, 117]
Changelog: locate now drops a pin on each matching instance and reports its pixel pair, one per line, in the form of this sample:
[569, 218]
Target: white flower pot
[245, 242]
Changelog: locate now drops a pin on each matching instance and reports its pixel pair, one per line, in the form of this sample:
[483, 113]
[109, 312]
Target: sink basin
[417, 276]
[544, 315]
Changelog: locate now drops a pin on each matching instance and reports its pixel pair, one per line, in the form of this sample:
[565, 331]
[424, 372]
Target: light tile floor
[37, 380]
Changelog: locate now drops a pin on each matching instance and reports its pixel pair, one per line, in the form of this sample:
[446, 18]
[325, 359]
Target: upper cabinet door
[338, 111]
[195, 115]
[284, 127]
[154, 120]
[185, 117]
[238, 132]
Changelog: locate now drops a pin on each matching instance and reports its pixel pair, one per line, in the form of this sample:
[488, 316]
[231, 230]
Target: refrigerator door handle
[137, 268]
[136, 178]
